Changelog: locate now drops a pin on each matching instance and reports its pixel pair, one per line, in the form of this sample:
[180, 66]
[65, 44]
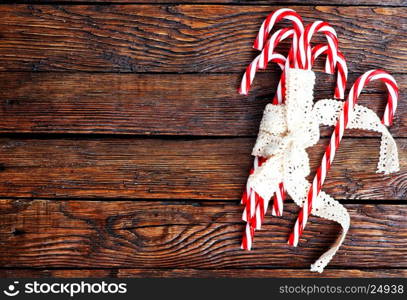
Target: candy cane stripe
[342, 73]
[305, 48]
[251, 70]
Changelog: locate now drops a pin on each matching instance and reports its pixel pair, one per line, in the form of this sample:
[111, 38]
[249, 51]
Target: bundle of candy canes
[291, 123]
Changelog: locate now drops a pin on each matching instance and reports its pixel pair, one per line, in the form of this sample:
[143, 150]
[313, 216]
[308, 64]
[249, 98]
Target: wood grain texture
[176, 168]
[204, 235]
[200, 273]
[150, 104]
[180, 38]
[262, 273]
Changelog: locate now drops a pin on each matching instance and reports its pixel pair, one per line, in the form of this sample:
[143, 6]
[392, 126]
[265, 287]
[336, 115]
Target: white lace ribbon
[286, 130]
[327, 111]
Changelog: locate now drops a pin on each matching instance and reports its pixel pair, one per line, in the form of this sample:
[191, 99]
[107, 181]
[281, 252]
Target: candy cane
[278, 202]
[251, 70]
[336, 138]
[279, 96]
[268, 50]
[262, 60]
[279, 197]
[271, 20]
[304, 52]
[332, 50]
[339, 93]
[251, 197]
[255, 208]
[255, 216]
[342, 73]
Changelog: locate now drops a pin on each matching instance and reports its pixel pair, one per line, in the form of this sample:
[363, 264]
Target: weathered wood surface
[271, 4]
[117, 234]
[180, 38]
[200, 273]
[176, 168]
[148, 104]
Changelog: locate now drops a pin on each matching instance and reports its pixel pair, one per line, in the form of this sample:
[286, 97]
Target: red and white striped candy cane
[268, 54]
[271, 20]
[263, 59]
[254, 211]
[342, 72]
[272, 43]
[278, 203]
[304, 47]
[336, 138]
[251, 70]
[249, 195]
[255, 206]
[339, 92]
[301, 47]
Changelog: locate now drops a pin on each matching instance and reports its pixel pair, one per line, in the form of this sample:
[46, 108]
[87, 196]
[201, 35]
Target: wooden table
[125, 147]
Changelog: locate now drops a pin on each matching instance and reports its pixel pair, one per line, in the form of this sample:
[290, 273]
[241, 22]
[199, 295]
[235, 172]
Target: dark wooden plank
[67, 273]
[246, 2]
[261, 273]
[170, 104]
[203, 273]
[180, 38]
[175, 169]
[204, 235]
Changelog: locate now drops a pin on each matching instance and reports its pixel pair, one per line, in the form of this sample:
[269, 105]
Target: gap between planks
[179, 38]
[196, 273]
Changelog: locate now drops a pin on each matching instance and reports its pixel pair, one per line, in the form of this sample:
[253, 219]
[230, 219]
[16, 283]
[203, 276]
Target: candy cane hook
[304, 47]
[268, 50]
[342, 72]
[251, 70]
[255, 205]
[271, 20]
[272, 43]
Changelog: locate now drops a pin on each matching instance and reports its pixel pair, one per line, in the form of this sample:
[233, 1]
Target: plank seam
[254, 3]
[197, 202]
[124, 136]
[204, 269]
